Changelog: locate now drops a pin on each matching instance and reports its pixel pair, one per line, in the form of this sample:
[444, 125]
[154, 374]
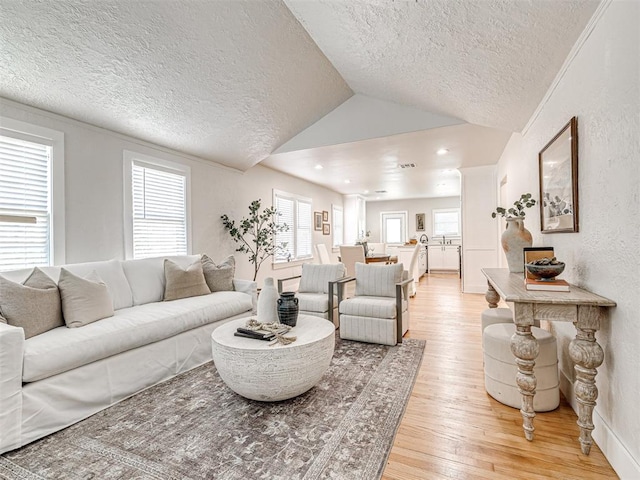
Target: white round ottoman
[491, 316]
[500, 367]
[256, 370]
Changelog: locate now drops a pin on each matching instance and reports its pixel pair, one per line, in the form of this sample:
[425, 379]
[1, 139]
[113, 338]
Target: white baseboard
[616, 453]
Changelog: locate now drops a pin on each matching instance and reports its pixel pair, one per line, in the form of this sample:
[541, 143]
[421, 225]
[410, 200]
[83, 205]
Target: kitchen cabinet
[444, 257]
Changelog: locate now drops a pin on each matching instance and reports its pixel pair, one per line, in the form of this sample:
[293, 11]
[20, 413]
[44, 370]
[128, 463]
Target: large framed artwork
[558, 166]
[317, 220]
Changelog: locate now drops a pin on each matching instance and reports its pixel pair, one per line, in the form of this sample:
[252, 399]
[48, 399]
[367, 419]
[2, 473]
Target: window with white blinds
[25, 203]
[295, 211]
[337, 218]
[159, 206]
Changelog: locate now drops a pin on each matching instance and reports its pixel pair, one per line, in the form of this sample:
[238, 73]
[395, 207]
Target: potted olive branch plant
[515, 237]
[257, 234]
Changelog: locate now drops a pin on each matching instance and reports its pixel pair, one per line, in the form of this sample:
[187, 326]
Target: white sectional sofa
[54, 379]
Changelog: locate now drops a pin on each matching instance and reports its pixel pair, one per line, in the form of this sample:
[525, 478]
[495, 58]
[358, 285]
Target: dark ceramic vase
[288, 308]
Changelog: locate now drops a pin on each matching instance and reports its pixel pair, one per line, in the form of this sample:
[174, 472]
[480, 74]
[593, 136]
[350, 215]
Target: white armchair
[318, 292]
[379, 310]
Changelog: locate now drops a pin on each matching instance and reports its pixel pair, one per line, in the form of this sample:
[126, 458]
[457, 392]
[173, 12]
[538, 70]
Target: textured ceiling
[228, 81]
[232, 80]
[487, 62]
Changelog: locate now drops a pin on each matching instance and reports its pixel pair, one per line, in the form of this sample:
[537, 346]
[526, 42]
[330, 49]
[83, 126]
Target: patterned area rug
[194, 427]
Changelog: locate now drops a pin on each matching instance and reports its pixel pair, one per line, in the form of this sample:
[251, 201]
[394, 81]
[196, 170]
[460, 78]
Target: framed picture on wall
[326, 229]
[317, 220]
[558, 164]
[325, 216]
[420, 222]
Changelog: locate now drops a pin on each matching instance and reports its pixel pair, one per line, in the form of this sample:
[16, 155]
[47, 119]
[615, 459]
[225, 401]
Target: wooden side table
[584, 309]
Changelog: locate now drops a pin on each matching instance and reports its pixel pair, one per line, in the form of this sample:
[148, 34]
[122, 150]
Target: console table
[584, 309]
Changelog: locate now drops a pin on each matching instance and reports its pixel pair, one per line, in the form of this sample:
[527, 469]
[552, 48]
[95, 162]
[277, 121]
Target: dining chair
[349, 255]
[413, 273]
[323, 254]
[378, 312]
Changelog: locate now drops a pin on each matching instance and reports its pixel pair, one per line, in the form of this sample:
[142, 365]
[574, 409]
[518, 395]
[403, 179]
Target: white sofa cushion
[63, 349]
[378, 280]
[146, 276]
[316, 278]
[84, 300]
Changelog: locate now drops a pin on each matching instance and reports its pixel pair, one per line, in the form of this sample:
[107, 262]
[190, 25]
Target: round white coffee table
[266, 373]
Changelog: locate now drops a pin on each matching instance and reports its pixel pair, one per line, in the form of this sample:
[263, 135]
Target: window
[158, 205]
[337, 217]
[27, 203]
[394, 227]
[295, 211]
[446, 222]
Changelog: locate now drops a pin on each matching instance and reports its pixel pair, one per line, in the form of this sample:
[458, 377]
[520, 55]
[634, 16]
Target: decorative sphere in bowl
[545, 272]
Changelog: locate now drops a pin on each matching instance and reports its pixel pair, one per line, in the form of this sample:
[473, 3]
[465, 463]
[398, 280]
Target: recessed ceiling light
[318, 167]
[366, 191]
[347, 181]
[443, 151]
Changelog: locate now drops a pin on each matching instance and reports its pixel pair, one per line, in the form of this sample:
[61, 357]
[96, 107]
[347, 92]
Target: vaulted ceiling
[232, 81]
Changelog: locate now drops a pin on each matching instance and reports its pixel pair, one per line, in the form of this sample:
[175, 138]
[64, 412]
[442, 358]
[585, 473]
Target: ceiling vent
[381, 191]
[406, 165]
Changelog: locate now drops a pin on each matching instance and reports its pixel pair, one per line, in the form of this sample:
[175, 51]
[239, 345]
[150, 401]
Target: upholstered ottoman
[500, 367]
[491, 316]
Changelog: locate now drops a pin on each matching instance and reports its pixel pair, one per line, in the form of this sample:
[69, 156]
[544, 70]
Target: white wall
[412, 206]
[601, 86]
[94, 193]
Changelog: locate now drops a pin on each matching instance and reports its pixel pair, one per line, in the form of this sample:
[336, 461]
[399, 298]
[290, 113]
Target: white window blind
[337, 217]
[25, 203]
[159, 211]
[294, 211]
[446, 222]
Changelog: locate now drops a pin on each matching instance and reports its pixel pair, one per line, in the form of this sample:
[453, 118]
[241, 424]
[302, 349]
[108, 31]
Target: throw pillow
[219, 277]
[316, 278]
[181, 283]
[33, 305]
[84, 300]
[378, 280]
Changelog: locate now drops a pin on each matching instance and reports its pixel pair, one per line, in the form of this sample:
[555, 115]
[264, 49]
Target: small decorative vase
[288, 308]
[267, 302]
[514, 239]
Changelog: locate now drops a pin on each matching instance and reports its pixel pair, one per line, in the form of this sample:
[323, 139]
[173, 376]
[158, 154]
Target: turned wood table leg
[588, 355]
[525, 348]
[491, 296]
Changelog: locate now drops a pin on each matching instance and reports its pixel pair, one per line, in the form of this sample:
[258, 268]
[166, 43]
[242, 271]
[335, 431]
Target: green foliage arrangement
[517, 211]
[257, 234]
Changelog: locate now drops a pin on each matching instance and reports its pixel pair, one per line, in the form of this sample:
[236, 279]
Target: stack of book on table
[530, 282]
[259, 334]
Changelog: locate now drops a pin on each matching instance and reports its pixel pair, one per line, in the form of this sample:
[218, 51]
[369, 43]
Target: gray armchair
[379, 310]
[318, 292]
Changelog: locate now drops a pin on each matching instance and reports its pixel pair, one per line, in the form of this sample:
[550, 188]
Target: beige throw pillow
[219, 277]
[84, 300]
[180, 283]
[33, 305]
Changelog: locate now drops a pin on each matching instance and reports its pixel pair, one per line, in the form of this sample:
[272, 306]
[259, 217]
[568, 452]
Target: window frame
[335, 241]
[55, 139]
[436, 211]
[403, 215]
[296, 200]
[148, 161]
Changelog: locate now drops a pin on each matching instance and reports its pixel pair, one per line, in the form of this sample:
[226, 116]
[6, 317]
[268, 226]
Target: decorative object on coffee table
[288, 308]
[269, 373]
[267, 308]
[515, 237]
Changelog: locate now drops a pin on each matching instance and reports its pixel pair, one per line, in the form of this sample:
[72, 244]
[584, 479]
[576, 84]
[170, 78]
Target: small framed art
[326, 229]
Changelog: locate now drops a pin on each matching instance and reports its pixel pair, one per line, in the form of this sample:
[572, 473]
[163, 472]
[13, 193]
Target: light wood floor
[453, 429]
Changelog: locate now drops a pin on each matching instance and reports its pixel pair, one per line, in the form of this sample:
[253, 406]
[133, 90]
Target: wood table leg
[491, 296]
[525, 348]
[588, 355]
